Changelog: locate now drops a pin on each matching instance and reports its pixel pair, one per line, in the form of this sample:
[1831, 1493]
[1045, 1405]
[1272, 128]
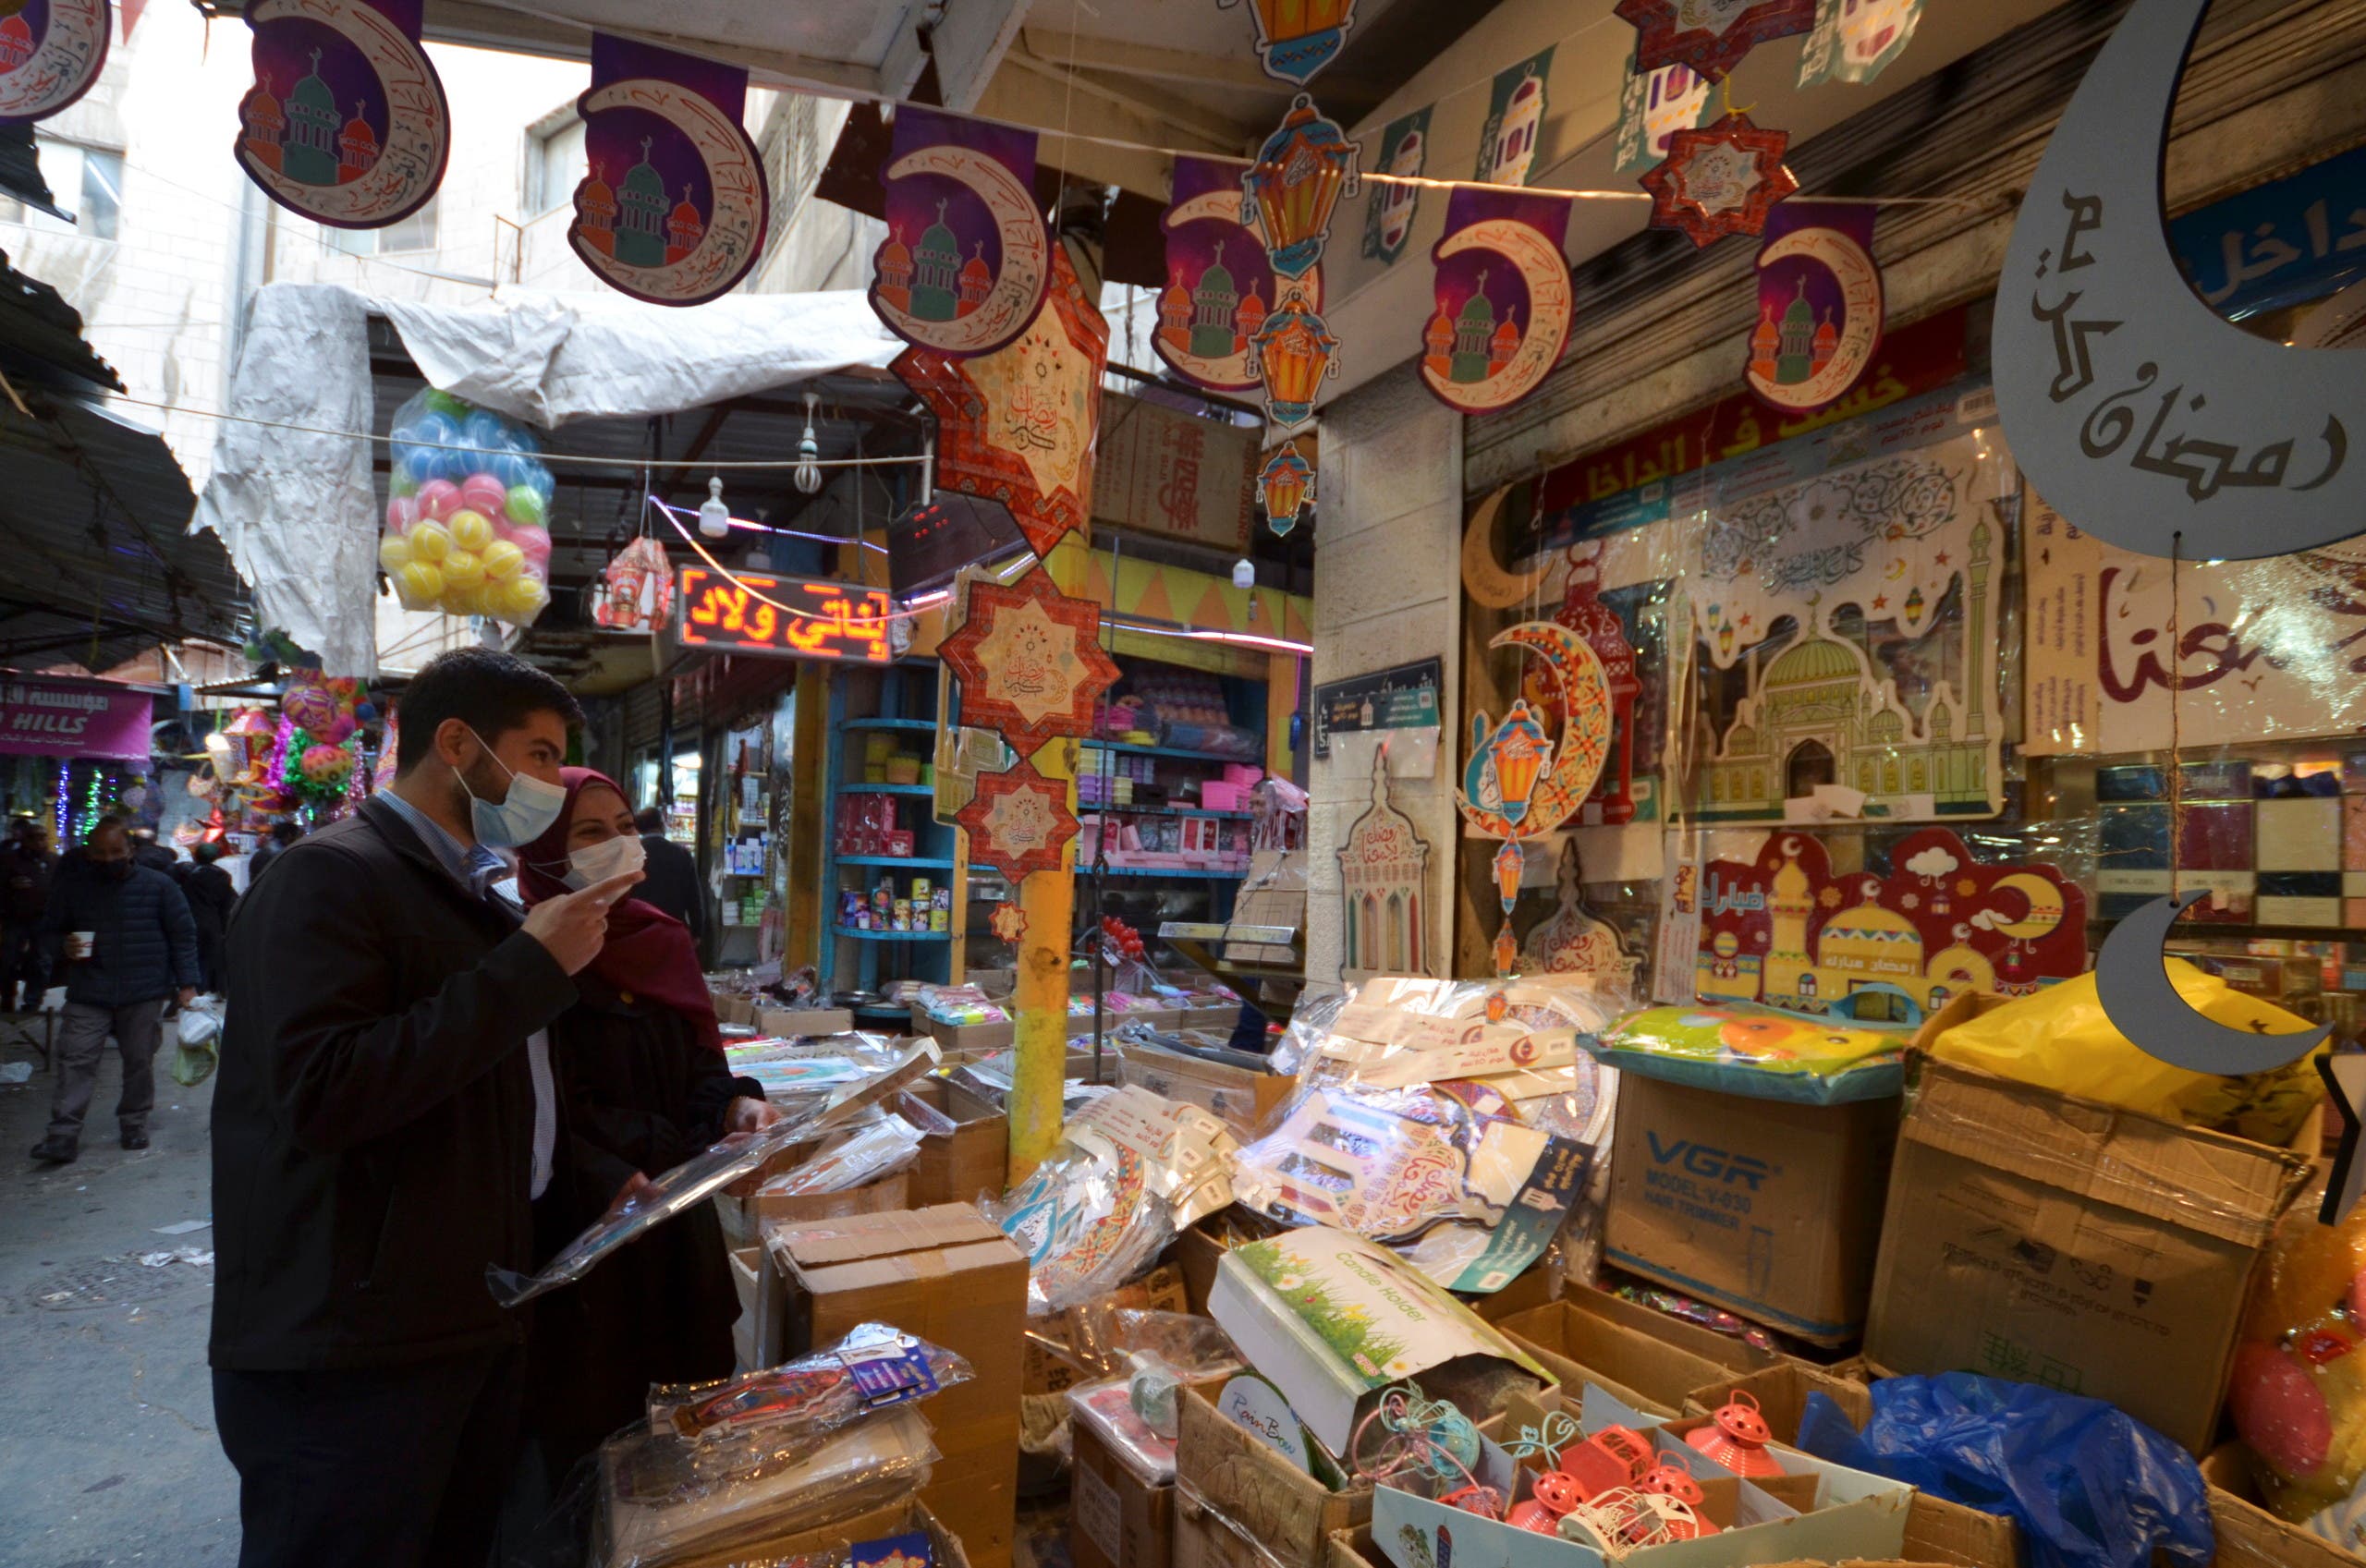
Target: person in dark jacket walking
[641, 1068]
[212, 896]
[673, 885]
[283, 834]
[26, 869]
[124, 936]
[385, 1117]
[146, 851]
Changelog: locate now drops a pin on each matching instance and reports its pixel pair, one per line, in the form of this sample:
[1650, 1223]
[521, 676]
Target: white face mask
[598, 862]
[519, 818]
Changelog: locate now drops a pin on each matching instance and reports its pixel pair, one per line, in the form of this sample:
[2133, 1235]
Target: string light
[59, 811]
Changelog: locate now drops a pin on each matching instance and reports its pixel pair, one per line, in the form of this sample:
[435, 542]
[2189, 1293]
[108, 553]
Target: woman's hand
[634, 1187]
[746, 1116]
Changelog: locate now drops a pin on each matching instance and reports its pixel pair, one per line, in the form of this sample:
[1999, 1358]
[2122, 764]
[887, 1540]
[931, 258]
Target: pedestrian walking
[27, 868]
[212, 896]
[282, 835]
[123, 938]
[672, 884]
[384, 1118]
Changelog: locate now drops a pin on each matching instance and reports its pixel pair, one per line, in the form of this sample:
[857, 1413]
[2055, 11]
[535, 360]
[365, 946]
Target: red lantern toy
[1736, 1437]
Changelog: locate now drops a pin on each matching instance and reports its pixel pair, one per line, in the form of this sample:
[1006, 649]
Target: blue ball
[487, 432]
[422, 463]
[440, 428]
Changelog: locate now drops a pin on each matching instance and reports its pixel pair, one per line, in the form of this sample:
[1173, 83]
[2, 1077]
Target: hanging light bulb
[714, 518]
[809, 452]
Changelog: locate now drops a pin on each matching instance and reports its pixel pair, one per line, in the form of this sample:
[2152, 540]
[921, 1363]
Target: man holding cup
[122, 936]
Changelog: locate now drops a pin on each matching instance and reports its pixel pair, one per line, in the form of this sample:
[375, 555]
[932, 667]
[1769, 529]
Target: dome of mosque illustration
[1812, 663]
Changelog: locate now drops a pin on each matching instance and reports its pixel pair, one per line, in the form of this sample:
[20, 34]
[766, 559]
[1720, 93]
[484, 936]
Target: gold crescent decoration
[1483, 577]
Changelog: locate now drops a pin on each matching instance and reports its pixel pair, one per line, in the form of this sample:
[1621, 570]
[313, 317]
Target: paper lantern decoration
[1719, 181]
[636, 591]
[1298, 38]
[1295, 351]
[1029, 661]
[1712, 39]
[1508, 790]
[1285, 487]
[1303, 169]
[1018, 821]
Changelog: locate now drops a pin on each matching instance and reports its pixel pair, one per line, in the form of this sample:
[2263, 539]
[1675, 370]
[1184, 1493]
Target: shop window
[556, 164]
[1809, 765]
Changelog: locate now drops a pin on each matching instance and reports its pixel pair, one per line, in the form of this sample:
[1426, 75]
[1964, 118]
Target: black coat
[670, 881]
[641, 1094]
[24, 882]
[373, 1121]
[145, 944]
[212, 896]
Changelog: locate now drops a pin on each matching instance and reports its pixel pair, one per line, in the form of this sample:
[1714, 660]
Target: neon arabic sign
[784, 617]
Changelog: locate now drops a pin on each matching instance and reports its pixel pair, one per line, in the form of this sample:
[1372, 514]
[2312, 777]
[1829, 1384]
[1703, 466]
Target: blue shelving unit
[852, 958]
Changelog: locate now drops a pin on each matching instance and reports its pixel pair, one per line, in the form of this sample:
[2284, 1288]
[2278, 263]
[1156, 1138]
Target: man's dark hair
[492, 693]
[286, 833]
[648, 820]
[205, 852]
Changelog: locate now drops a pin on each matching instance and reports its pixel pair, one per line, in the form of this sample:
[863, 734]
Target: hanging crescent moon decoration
[1582, 746]
[1484, 576]
[2133, 986]
[2139, 413]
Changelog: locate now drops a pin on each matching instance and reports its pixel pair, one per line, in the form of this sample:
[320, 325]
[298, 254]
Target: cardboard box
[1117, 1519]
[2059, 1241]
[1243, 1097]
[2249, 1535]
[1240, 1505]
[787, 1022]
[830, 1542]
[1769, 1209]
[1273, 894]
[970, 1040]
[746, 1279]
[948, 1276]
[1584, 1339]
[732, 1008]
[965, 1144]
[745, 1218]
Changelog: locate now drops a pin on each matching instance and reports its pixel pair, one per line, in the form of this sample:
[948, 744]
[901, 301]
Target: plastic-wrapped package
[871, 1152]
[1758, 1053]
[1132, 1170]
[876, 1366]
[2298, 1392]
[803, 1062]
[468, 511]
[1108, 1408]
[702, 1175]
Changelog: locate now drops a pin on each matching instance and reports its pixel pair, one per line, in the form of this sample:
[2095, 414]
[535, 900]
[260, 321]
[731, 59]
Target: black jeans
[387, 1467]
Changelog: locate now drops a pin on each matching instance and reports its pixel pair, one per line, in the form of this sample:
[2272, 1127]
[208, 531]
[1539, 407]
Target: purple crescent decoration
[347, 122]
[1219, 287]
[1819, 305]
[967, 258]
[674, 206]
[1503, 299]
[51, 50]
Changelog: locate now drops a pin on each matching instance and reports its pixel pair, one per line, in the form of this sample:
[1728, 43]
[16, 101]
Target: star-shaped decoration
[2344, 1076]
[1942, 558]
[1711, 36]
[1881, 601]
[1030, 659]
[1009, 923]
[1018, 821]
[1719, 181]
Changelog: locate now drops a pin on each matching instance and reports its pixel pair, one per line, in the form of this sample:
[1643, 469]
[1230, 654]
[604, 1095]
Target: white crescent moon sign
[1861, 325]
[1551, 299]
[1482, 577]
[2133, 985]
[734, 229]
[1584, 741]
[1229, 373]
[1019, 289]
[419, 123]
[65, 60]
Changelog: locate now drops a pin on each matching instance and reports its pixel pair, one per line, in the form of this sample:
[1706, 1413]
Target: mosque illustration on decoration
[930, 281]
[1211, 319]
[1470, 344]
[15, 41]
[304, 138]
[1818, 713]
[1800, 347]
[1382, 866]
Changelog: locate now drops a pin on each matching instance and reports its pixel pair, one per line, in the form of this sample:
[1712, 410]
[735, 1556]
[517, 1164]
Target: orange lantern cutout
[1298, 38]
[1518, 752]
[1294, 351]
[1286, 486]
[636, 589]
[1509, 862]
[1300, 173]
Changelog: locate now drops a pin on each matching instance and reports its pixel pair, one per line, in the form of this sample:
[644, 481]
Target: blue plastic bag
[2091, 1486]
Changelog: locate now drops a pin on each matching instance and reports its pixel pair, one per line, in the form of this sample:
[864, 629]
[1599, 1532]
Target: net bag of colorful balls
[467, 512]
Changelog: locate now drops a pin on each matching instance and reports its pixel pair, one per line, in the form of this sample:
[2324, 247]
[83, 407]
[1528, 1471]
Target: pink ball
[535, 542]
[483, 492]
[401, 512]
[438, 499]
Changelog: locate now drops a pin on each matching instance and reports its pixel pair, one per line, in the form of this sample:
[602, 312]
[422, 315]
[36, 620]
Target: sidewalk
[110, 1455]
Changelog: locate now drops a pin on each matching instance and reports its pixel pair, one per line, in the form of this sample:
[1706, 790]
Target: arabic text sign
[1402, 697]
[2278, 244]
[74, 719]
[838, 621]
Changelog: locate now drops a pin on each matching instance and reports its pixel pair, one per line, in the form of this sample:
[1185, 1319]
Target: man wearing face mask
[385, 1117]
[122, 936]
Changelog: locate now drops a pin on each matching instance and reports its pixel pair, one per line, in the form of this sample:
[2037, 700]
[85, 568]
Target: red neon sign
[746, 615]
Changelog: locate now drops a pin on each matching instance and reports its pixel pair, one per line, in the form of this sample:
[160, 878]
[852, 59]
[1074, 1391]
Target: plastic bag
[2060, 1038]
[871, 1153]
[467, 514]
[873, 1367]
[2298, 1396]
[197, 1049]
[2090, 1486]
[1759, 1052]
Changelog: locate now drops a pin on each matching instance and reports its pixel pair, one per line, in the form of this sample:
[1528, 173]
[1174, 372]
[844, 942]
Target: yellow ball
[420, 585]
[501, 560]
[463, 569]
[469, 601]
[471, 530]
[522, 598]
[394, 553]
[429, 541]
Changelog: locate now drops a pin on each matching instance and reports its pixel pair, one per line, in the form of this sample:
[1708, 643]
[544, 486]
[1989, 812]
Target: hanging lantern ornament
[1285, 487]
[636, 590]
[1298, 38]
[1736, 1437]
[1294, 351]
[714, 518]
[1719, 181]
[1303, 169]
[809, 452]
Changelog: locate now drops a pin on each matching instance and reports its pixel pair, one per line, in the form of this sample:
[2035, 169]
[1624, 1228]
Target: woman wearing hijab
[641, 1071]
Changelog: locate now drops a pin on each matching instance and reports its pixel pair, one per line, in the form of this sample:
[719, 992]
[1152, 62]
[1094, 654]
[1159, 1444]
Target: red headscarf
[648, 953]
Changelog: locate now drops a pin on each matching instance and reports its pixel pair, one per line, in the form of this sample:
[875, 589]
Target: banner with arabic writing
[50, 53]
[967, 258]
[1503, 299]
[2266, 650]
[347, 122]
[1219, 284]
[1388, 213]
[674, 207]
[1819, 309]
[2283, 243]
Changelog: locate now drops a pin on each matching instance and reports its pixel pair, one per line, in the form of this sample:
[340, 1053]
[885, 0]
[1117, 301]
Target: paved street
[107, 1452]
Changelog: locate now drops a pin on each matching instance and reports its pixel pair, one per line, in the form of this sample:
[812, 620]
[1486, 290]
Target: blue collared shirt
[475, 867]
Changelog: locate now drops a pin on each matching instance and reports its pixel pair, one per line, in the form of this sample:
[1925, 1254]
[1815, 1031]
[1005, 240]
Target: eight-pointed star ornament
[1711, 36]
[1030, 659]
[1018, 821]
[1009, 923]
[1719, 181]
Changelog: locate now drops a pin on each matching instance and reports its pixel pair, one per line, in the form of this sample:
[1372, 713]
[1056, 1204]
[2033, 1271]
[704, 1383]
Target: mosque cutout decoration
[1211, 319]
[929, 281]
[1786, 929]
[1798, 348]
[1469, 345]
[304, 138]
[1384, 869]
